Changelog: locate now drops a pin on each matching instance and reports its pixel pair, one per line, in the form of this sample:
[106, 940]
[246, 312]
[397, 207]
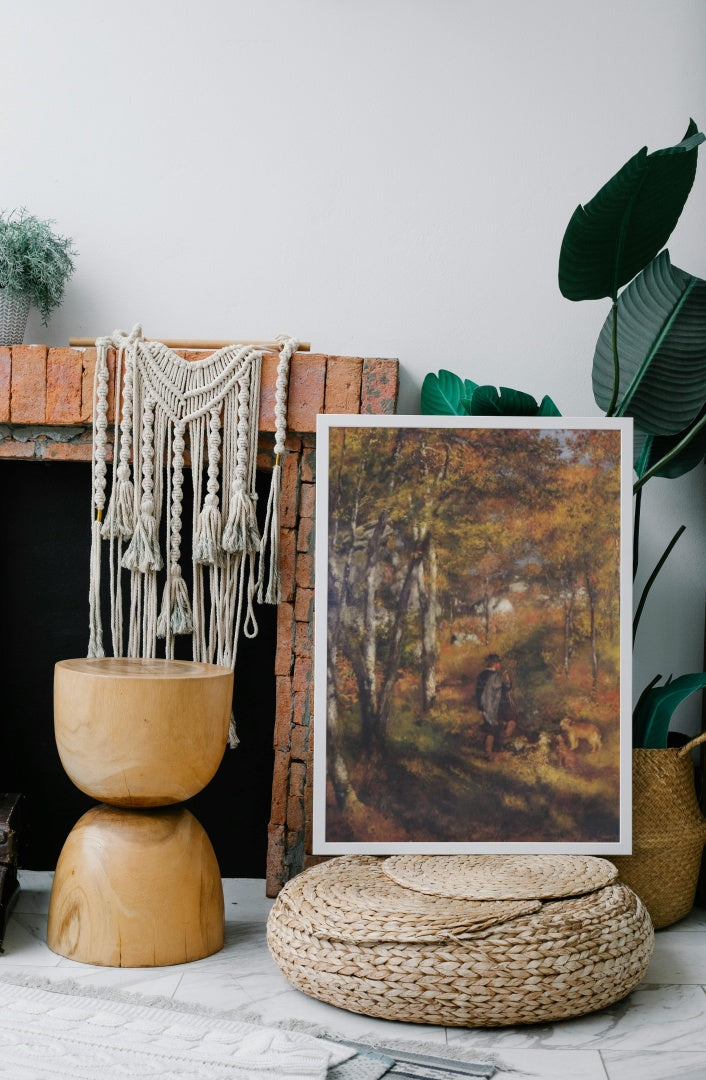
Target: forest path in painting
[439, 554]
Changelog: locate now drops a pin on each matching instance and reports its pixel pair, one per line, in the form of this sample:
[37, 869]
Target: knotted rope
[163, 404]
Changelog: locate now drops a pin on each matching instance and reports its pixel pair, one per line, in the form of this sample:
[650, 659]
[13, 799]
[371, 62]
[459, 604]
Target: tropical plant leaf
[502, 401]
[610, 239]
[649, 450]
[547, 407]
[653, 713]
[444, 394]
[661, 350]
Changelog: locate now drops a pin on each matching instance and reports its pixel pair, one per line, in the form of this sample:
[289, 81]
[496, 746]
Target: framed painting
[473, 635]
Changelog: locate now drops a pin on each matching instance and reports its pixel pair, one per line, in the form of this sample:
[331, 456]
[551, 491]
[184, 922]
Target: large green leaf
[661, 350]
[649, 450]
[653, 713]
[610, 239]
[489, 401]
[445, 394]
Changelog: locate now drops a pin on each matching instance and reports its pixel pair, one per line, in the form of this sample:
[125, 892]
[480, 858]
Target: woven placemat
[500, 877]
[359, 902]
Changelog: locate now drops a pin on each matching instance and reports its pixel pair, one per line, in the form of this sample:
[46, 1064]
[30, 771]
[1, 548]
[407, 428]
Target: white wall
[382, 177]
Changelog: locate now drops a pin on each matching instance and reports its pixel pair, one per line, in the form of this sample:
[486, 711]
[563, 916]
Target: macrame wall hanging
[161, 401]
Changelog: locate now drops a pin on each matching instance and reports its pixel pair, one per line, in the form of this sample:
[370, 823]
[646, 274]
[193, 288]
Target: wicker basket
[561, 958]
[668, 833]
[13, 318]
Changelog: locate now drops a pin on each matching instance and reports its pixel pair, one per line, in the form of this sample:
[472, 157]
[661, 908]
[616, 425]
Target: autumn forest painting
[472, 636]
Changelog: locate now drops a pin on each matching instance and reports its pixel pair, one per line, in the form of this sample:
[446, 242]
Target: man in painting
[494, 699]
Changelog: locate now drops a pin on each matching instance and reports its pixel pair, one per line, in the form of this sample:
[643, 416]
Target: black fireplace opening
[44, 560]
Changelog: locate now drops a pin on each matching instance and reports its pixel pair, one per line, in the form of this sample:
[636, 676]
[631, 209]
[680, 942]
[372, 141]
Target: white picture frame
[440, 542]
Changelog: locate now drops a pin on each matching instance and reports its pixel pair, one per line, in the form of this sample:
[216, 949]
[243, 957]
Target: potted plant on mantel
[35, 264]
[650, 364]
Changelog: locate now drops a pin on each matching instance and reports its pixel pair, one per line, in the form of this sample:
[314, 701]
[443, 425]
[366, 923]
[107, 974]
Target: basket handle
[690, 745]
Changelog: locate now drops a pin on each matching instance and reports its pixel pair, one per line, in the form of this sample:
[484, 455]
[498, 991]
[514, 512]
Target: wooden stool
[137, 886]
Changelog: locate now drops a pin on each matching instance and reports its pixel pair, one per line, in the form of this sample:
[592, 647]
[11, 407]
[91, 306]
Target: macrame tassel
[95, 640]
[273, 593]
[233, 739]
[175, 614]
[120, 517]
[241, 532]
[143, 552]
[208, 548]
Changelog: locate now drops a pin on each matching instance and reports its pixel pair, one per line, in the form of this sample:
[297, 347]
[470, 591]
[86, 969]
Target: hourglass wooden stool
[137, 883]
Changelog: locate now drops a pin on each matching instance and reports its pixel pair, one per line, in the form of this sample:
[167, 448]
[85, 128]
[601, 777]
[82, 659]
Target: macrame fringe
[161, 401]
[120, 518]
[273, 593]
[95, 640]
[241, 532]
[142, 553]
[208, 542]
[175, 615]
[233, 740]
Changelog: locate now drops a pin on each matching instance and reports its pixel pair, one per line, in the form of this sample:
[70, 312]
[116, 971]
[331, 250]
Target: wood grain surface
[136, 888]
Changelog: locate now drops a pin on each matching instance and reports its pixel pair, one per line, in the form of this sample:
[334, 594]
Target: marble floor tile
[652, 1017]
[678, 1065]
[657, 1033]
[679, 957]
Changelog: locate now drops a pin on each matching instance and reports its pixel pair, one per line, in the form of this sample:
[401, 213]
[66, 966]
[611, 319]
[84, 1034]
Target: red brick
[301, 712]
[280, 787]
[343, 381]
[305, 535]
[308, 464]
[283, 712]
[308, 808]
[89, 368]
[5, 374]
[64, 378]
[53, 451]
[302, 674]
[292, 444]
[303, 645]
[287, 562]
[297, 779]
[28, 384]
[304, 605]
[307, 500]
[380, 385]
[295, 817]
[305, 571]
[275, 860]
[11, 448]
[306, 391]
[284, 654]
[289, 500]
[300, 739]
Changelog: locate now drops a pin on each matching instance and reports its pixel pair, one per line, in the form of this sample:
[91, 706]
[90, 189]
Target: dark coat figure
[494, 699]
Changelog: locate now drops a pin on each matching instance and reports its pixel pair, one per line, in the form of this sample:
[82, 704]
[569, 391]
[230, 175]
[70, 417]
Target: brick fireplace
[46, 414]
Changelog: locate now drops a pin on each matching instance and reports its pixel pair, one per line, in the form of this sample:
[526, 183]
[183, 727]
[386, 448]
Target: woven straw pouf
[370, 935]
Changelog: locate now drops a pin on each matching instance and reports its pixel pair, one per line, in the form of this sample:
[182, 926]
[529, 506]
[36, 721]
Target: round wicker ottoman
[369, 935]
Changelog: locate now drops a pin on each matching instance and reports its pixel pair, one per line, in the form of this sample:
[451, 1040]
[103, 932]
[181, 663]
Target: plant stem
[691, 433]
[636, 533]
[651, 580]
[616, 365]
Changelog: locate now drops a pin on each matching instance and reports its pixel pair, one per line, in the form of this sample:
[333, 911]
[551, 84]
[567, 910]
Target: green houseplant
[35, 264]
[649, 364]
[650, 358]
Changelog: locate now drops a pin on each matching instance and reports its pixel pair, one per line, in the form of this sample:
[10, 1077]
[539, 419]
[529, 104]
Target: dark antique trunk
[10, 826]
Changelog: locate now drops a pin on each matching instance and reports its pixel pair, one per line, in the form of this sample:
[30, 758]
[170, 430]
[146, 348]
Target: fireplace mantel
[46, 397]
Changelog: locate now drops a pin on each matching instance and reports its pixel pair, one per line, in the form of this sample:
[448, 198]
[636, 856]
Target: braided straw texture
[668, 834]
[501, 877]
[570, 957]
[360, 903]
